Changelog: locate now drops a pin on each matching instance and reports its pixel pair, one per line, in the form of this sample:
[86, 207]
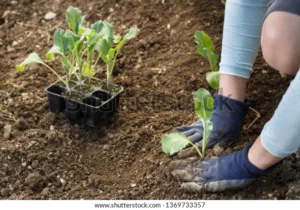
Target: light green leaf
[109, 57]
[102, 46]
[60, 41]
[65, 63]
[72, 39]
[74, 19]
[77, 48]
[117, 39]
[213, 79]
[108, 32]
[87, 70]
[120, 45]
[32, 58]
[173, 143]
[204, 43]
[98, 26]
[50, 55]
[11, 84]
[83, 31]
[207, 128]
[213, 59]
[131, 34]
[92, 38]
[204, 104]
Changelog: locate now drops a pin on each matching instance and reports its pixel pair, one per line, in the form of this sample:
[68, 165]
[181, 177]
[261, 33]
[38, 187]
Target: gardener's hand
[226, 172]
[227, 119]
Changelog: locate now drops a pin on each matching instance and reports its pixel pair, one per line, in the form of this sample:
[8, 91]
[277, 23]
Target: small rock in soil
[133, 185]
[63, 182]
[34, 180]
[50, 15]
[45, 192]
[10, 49]
[5, 192]
[106, 147]
[35, 164]
[7, 131]
[293, 191]
[48, 169]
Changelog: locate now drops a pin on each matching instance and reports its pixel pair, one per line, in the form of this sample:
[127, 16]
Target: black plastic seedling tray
[92, 101]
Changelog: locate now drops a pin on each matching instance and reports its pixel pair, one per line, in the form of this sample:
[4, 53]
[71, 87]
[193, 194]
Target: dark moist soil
[48, 157]
[73, 95]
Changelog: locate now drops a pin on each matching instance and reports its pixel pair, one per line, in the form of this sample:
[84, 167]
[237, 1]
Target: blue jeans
[241, 41]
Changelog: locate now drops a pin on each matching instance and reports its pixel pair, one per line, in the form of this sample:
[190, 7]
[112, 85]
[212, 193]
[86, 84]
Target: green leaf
[204, 104]
[213, 59]
[173, 143]
[65, 63]
[92, 38]
[207, 128]
[32, 58]
[87, 70]
[61, 41]
[108, 32]
[11, 84]
[77, 48]
[213, 79]
[109, 57]
[102, 46]
[120, 45]
[131, 34]
[83, 31]
[74, 19]
[98, 26]
[71, 39]
[50, 55]
[205, 47]
[204, 43]
[117, 39]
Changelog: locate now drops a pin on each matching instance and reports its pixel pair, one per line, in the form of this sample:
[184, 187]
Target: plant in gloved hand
[174, 142]
[205, 48]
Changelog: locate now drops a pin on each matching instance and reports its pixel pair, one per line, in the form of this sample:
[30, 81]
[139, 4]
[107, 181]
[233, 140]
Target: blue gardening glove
[227, 119]
[223, 173]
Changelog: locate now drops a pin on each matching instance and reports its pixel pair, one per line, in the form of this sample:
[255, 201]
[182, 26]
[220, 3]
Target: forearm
[280, 135]
[233, 87]
[241, 41]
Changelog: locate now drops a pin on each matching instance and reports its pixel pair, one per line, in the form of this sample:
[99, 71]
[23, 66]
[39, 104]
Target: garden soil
[48, 157]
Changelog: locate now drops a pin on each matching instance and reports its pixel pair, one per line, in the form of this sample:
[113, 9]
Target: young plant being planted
[174, 142]
[80, 49]
[205, 48]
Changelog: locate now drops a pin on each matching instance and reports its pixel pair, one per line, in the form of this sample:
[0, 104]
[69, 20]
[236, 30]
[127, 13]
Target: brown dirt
[159, 71]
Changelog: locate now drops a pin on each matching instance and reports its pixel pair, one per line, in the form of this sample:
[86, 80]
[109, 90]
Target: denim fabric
[241, 35]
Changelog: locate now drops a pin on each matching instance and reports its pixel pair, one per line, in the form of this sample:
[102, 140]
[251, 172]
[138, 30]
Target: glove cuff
[226, 104]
